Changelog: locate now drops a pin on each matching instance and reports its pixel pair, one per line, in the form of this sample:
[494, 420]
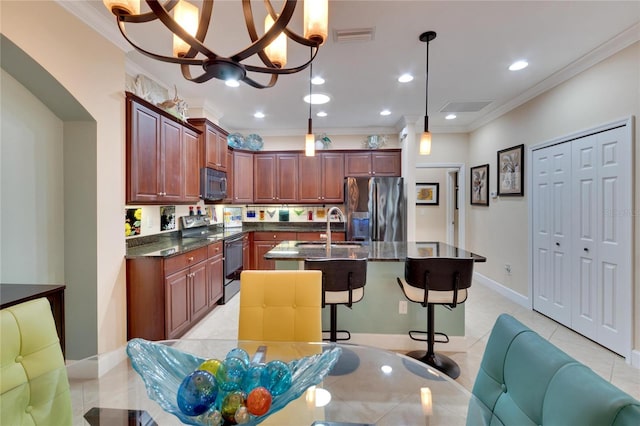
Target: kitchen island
[377, 319]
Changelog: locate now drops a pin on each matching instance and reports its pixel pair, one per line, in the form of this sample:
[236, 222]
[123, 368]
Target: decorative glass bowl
[254, 142]
[235, 140]
[163, 369]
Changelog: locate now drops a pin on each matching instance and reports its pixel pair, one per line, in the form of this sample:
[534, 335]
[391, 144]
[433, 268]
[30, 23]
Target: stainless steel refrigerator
[375, 209]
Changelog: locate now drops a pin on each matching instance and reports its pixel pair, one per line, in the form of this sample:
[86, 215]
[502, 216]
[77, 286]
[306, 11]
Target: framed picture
[427, 193]
[511, 171]
[480, 185]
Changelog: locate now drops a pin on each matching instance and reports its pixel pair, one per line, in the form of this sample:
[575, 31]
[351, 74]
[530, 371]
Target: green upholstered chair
[33, 378]
[525, 380]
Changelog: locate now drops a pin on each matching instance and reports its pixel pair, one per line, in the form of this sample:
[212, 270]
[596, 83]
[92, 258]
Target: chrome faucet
[331, 210]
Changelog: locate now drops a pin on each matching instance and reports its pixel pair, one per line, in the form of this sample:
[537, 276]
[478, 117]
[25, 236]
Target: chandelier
[189, 25]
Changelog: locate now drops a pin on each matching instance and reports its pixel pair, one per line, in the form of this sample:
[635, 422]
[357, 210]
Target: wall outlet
[507, 267]
[402, 307]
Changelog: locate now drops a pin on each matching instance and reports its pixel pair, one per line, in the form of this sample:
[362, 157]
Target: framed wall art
[511, 171]
[427, 193]
[480, 185]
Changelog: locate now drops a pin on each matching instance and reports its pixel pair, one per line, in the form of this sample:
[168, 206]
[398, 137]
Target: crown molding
[108, 28]
[600, 53]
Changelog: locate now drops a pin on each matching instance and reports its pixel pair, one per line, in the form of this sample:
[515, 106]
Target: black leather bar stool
[436, 281]
[343, 283]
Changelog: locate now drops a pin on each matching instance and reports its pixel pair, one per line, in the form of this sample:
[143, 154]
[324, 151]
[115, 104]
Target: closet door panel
[614, 239]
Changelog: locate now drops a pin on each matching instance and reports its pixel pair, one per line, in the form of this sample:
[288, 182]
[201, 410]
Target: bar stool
[343, 283]
[436, 281]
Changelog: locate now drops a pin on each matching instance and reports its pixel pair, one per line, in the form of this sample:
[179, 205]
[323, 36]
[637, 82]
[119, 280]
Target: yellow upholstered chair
[33, 378]
[283, 306]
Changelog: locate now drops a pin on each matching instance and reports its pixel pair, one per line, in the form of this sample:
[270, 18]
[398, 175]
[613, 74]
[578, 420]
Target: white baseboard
[635, 358]
[402, 342]
[514, 296]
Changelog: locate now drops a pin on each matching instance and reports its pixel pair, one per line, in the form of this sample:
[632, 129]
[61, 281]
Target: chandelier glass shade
[189, 25]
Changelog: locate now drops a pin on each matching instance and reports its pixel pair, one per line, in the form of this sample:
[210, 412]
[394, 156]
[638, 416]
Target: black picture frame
[428, 194]
[479, 188]
[511, 171]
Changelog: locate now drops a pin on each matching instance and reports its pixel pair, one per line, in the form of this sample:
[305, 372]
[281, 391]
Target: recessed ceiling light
[518, 65]
[405, 78]
[321, 114]
[232, 83]
[385, 112]
[450, 116]
[317, 99]
[259, 114]
[317, 80]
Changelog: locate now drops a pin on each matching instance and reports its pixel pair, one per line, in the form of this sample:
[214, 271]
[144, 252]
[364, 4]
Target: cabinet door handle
[190, 259]
[586, 250]
[557, 244]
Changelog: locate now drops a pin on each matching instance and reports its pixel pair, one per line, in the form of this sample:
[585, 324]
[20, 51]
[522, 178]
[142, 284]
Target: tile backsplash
[165, 219]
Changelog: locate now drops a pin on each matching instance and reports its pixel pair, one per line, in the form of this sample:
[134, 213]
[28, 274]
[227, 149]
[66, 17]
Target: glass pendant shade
[316, 18]
[425, 143]
[186, 15]
[131, 6]
[309, 145]
[277, 49]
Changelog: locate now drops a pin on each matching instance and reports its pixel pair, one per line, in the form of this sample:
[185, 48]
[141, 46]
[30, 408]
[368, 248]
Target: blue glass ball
[197, 393]
[256, 376]
[230, 374]
[279, 377]
[240, 354]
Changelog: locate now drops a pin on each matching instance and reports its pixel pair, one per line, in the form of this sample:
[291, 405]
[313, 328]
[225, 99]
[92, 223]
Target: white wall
[31, 189]
[431, 221]
[59, 45]
[604, 93]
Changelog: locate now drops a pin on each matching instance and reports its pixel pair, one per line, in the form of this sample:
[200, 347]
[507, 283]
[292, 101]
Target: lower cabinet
[265, 241]
[166, 296]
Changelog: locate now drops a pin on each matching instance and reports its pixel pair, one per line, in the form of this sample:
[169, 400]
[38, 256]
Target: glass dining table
[365, 386]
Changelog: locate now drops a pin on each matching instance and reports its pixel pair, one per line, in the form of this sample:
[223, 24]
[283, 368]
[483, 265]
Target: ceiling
[476, 42]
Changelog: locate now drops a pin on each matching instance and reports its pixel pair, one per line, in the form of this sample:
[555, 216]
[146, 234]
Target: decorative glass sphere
[231, 373]
[259, 401]
[240, 354]
[279, 377]
[257, 375]
[210, 365]
[197, 393]
[230, 405]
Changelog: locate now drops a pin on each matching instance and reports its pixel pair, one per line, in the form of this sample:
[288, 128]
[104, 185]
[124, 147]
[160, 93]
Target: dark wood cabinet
[246, 251]
[321, 178]
[215, 278]
[162, 156]
[275, 178]
[373, 163]
[242, 177]
[265, 241]
[166, 296]
[213, 144]
[191, 148]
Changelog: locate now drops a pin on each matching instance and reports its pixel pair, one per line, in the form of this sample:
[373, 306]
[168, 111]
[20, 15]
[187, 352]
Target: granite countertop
[166, 245]
[373, 251]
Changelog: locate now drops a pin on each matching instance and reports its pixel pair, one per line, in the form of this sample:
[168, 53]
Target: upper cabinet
[373, 163]
[213, 144]
[321, 178]
[163, 161]
[275, 178]
[242, 177]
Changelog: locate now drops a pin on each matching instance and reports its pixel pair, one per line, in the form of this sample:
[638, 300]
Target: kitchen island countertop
[373, 251]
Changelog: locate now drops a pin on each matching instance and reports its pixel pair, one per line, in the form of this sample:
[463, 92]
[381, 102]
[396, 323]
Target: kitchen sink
[322, 244]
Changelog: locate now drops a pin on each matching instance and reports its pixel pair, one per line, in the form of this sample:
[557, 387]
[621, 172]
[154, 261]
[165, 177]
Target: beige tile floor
[481, 310]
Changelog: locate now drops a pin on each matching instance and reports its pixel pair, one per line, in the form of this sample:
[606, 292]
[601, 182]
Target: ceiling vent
[354, 35]
[464, 106]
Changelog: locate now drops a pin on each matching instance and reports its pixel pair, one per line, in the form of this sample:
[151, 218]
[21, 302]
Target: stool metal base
[438, 361]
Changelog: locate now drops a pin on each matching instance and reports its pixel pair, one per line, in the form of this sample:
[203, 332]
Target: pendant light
[425, 138]
[309, 140]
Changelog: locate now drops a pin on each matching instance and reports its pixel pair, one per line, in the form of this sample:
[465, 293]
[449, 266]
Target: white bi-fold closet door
[582, 235]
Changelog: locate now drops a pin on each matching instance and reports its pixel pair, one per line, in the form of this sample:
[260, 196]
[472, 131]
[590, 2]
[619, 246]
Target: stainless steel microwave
[213, 184]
